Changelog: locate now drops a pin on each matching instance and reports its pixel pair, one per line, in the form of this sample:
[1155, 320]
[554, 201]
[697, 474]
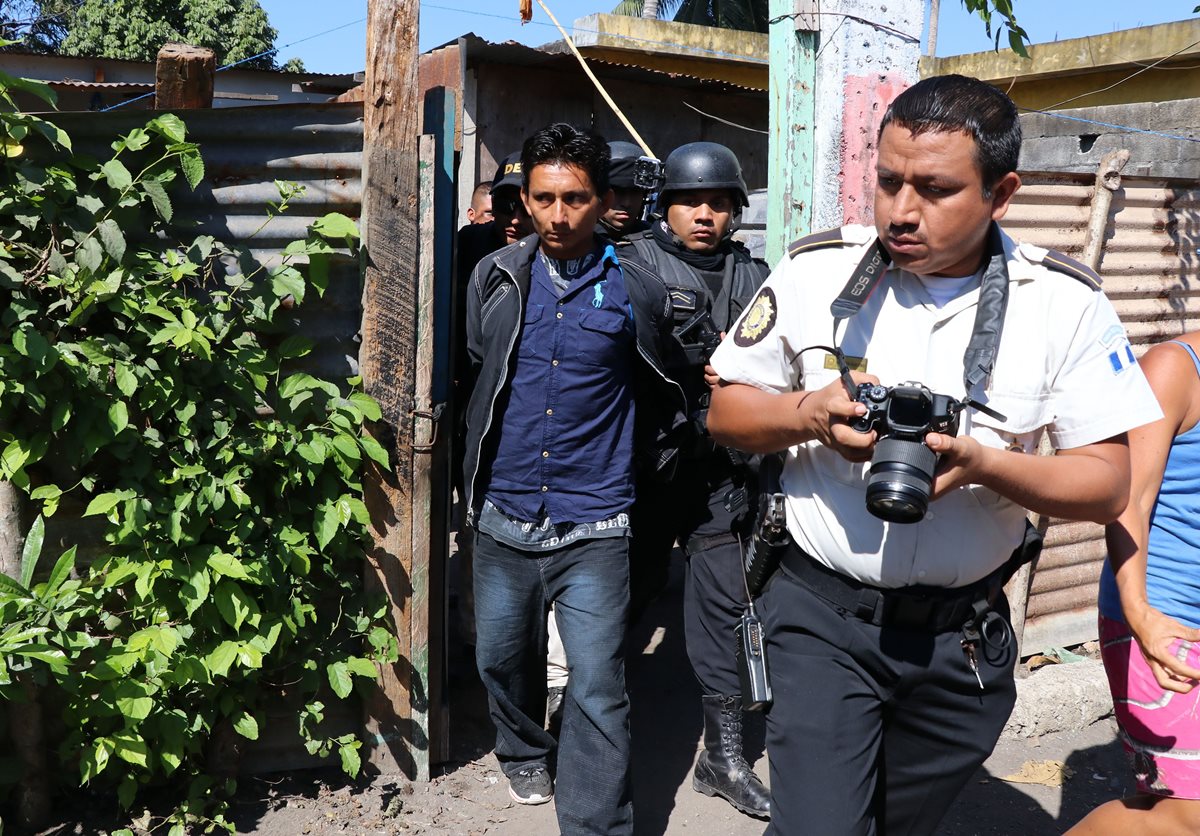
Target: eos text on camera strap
[980, 357]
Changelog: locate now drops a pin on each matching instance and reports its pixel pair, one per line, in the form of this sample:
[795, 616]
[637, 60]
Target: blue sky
[443, 20]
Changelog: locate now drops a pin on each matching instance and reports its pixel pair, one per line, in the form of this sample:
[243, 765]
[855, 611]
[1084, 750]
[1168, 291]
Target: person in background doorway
[480, 210]
[629, 200]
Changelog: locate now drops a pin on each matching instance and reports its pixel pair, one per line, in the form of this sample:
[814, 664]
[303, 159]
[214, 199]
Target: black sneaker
[531, 785]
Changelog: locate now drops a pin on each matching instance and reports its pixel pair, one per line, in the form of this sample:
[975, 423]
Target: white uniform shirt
[1064, 367]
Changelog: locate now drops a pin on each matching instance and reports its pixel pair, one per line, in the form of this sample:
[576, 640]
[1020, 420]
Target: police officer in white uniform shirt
[887, 635]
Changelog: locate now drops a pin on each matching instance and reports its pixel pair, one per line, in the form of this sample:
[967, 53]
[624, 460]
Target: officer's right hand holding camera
[827, 414]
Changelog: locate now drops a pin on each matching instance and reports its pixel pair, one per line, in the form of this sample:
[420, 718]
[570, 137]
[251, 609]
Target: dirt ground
[469, 795]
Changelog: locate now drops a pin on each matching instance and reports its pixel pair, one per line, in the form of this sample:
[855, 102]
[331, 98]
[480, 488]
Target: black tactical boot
[721, 769]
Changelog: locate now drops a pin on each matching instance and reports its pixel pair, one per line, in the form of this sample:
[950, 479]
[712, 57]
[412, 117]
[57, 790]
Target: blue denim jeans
[588, 582]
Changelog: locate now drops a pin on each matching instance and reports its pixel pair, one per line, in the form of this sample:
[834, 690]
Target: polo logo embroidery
[598, 295]
[758, 321]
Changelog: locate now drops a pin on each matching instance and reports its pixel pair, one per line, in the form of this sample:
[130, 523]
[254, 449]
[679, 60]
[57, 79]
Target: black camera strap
[980, 357]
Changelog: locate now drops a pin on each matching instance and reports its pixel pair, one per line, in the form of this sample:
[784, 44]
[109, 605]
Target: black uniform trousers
[692, 509]
[873, 729]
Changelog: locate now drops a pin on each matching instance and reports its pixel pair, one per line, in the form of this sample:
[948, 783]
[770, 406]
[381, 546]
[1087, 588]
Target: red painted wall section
[865, 100]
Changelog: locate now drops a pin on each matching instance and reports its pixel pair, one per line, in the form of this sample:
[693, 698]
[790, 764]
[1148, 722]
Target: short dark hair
[957, 103]
[563, 144]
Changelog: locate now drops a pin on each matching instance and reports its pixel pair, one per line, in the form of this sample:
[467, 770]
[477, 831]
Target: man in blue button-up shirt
[560, 343]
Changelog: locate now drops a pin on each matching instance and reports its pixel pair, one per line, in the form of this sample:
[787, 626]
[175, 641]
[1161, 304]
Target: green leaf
[159, 199]
[118, 416]
[95, 758]
[221, 658]
[229, 566]
[347, 447]
[131, 748]
[117, 175]
[239, 497]
[192, 166]
[295, 346]
[170, 126]
[362, 667]
[351, 762]
[61, 571]
[126, 380]
[13, 458]
[163, 639]
[339, 678]
[90, 255]
[10, 587]
[368, 405]
[335, 225]
[234, 604]
[105, 502]
[32, 550]
[245, 725]
[375, 451]
[325, 523]
[126, 793]
[287, 281]
[133, 701]
[249, 656]
[112, 238]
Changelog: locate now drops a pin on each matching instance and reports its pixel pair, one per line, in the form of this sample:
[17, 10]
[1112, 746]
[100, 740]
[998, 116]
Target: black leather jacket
[496, 298]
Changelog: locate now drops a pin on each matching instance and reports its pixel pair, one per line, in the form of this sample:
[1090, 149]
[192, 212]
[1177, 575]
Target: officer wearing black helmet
[629, 200]
[711, 279]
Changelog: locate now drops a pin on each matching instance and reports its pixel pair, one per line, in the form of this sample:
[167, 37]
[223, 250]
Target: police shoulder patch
[818, 240]
[1060, 263]
[758, 320]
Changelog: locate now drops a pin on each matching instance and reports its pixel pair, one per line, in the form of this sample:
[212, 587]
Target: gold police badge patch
[758, 321]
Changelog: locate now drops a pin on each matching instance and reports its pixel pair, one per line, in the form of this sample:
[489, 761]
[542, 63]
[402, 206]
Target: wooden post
[390, 202]
[791, 144]
[183, 77]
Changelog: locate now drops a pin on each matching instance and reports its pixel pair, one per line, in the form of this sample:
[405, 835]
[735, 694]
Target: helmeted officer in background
[711, 279]
[624, 218]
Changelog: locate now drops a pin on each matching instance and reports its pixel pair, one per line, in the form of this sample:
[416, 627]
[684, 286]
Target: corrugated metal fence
[245, 151]
[1151, 271]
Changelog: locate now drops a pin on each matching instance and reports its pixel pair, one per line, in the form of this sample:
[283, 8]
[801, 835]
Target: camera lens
[900, 481]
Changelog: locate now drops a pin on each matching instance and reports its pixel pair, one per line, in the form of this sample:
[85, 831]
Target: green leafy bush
[145, 382]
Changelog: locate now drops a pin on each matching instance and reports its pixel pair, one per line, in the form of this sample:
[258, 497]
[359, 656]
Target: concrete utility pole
[833, 72]
[793, 92]
[388, 362]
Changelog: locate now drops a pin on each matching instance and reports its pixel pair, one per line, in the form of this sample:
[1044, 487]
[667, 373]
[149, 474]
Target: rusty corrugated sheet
[245, 151]
[1151, 269]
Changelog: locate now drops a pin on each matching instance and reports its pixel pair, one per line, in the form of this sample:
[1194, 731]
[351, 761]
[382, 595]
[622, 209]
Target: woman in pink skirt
[1150, 609]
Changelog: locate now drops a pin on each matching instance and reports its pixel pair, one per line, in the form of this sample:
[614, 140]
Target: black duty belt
[930, 608]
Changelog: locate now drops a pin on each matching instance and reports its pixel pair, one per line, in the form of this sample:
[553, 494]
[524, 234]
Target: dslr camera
[902, 465]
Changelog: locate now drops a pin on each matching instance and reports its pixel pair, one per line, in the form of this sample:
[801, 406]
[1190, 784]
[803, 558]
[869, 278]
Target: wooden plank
[183, 77]
[399, 742]
[424, 430]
